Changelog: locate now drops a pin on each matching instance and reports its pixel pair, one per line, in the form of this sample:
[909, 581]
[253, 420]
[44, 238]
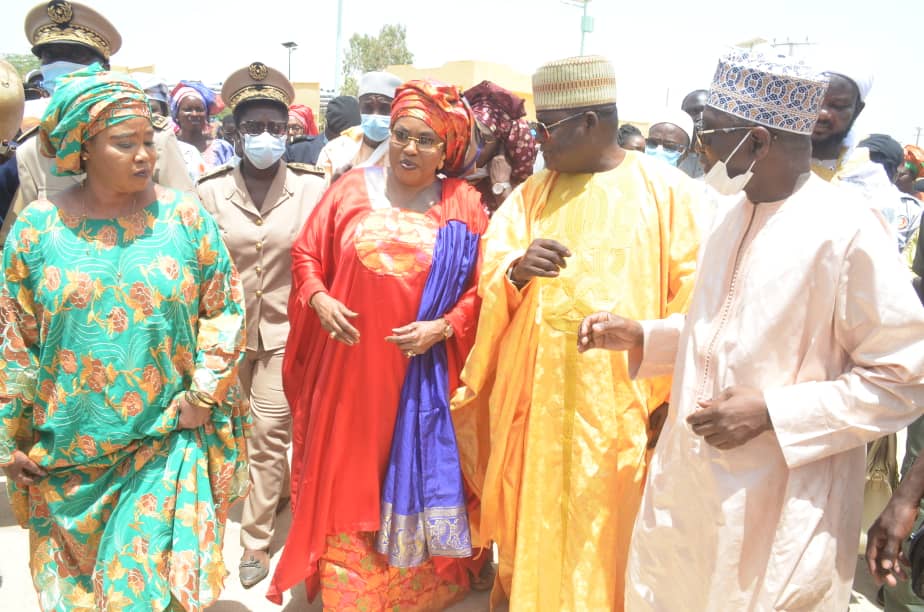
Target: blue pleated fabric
[423, 503]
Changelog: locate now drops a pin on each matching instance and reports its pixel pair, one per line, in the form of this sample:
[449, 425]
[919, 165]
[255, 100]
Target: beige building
[467, 73]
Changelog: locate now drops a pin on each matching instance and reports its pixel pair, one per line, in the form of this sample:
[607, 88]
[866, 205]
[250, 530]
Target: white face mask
[53, 71]
[264, 150]
[718, 178]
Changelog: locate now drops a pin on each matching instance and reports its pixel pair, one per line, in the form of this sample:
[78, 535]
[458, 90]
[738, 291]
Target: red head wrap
[305, 116]
[440, 106]
[503, 112]
[914, 159]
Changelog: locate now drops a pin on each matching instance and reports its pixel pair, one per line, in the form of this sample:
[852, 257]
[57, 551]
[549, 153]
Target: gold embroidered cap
[60, 21]
[574, 82]
[12, 101]
[257, 82]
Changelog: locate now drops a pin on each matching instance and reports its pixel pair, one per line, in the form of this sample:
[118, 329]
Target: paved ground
[16, 592]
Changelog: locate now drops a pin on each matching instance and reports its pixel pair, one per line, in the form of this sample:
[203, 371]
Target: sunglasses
[424, 143]
[255, 128]
[664, 144]
[542, 132]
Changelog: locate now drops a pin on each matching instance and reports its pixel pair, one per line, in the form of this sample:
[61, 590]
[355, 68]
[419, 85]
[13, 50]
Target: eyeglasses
[425, 143]
[542, 132]
[255, 128]
[700, 133]
[666, 145]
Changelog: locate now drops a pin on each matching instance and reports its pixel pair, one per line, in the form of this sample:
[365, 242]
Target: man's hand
[604, 330]
[884, 555]
[738, 416]
[23, 471]
[416, 338]
[334, 318]
[884, 540]
[543, 258]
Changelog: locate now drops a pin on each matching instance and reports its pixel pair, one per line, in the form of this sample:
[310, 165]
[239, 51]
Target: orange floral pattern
[104, 325]
[396, 242]
[354, 577]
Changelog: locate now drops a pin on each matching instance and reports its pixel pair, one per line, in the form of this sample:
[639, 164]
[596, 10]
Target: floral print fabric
[104, 325]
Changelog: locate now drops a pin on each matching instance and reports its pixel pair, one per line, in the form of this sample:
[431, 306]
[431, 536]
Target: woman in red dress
[383, 311]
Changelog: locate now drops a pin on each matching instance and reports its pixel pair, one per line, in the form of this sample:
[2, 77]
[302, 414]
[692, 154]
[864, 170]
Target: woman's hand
[499, 169]
[334, 318]
[416, 338]
[23, 470]
[192, 416]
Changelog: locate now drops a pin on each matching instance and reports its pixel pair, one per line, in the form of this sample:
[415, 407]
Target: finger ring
[409, 354]
[333, 335]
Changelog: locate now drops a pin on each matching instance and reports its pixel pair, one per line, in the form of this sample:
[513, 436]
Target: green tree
[23, 63]
[368, 53]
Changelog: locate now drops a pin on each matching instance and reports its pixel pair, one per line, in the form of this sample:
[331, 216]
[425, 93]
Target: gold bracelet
[200, 400]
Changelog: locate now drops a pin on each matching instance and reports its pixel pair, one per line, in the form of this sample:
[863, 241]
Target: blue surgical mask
[264, 150]
[55, 70]
[671, 157]
[376, 127]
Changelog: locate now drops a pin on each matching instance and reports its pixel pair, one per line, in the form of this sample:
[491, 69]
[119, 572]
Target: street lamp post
[291, 46]
[587, 22]
[338, 48]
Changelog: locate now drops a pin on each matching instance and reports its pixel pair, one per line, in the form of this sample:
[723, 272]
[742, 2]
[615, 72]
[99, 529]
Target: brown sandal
[484, 581]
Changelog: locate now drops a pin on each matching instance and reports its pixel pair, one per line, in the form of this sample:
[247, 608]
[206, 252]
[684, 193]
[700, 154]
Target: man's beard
[831, 142]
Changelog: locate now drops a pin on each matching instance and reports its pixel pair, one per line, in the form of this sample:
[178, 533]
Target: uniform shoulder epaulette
[220, 170]
[32, 131]
[306, 168]
[159, 121]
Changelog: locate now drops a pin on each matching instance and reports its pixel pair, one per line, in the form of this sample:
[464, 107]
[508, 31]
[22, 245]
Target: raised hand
[544, 258]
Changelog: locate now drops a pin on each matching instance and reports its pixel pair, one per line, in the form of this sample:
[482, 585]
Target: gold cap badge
[60, 12]
[258, 71]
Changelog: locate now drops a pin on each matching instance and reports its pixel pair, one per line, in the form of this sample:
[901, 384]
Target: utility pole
[338, 69]
[291, 46]
[917, 136]
[587, 22]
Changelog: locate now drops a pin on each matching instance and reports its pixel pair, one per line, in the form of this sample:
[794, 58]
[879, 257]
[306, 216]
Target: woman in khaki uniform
[260, 205]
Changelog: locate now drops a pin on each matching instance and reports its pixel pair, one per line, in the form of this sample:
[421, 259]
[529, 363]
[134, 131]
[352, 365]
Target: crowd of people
[644, 368]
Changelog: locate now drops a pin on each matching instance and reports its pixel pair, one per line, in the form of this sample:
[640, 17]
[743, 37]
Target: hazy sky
[661, 48]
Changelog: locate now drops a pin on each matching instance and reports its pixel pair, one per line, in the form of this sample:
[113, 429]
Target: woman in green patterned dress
[121, 330]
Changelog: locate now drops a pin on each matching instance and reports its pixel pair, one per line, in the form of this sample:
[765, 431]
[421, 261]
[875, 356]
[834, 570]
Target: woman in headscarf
[506, 146]
[910, 171]
[383, 310]
[192, 105]
[121, 330]
[301, 122]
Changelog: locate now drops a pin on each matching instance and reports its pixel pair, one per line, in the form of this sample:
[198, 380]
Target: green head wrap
[84, 104]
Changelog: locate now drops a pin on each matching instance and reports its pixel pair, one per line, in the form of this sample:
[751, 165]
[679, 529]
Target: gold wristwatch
[447, 331]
